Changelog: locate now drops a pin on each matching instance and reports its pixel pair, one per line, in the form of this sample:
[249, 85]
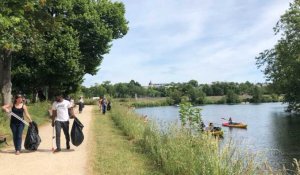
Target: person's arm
[6, 108]
[26, 113]
[54, 114]
[71, 112]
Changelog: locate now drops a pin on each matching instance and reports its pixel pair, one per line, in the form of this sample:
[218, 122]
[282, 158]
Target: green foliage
[257, 95]
[55, 43]
[190, 117]
[281, 64]
[175, 96]
[232, 97]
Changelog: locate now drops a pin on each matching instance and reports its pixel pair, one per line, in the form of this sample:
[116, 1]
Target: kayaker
[230, 121]
[202, 125]
[210, 127]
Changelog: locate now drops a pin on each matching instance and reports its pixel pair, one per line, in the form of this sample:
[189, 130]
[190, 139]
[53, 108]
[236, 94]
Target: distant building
[157, 85]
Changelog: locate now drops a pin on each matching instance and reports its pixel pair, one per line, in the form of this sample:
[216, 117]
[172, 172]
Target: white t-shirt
[62, 110]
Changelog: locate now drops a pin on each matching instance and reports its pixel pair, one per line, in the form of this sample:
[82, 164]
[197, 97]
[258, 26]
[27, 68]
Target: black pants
[65, 127]
[81, 106]
[17, 130]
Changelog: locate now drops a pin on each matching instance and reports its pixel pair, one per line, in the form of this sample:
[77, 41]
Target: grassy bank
[112, 152]
[175, 151]
[163, 101]
[144, 102]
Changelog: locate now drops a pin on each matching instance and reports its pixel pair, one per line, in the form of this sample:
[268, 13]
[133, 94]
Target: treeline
[226, 92]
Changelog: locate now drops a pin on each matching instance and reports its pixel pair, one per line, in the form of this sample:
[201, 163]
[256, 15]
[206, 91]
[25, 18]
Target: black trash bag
[76, 133]
[3, 140]
[32, 140]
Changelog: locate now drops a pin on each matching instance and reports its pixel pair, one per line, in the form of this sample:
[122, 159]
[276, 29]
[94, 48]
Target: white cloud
[205, 40]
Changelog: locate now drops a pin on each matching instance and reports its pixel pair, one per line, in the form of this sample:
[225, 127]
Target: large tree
[67, 39]
[281, 64]
[13, 31]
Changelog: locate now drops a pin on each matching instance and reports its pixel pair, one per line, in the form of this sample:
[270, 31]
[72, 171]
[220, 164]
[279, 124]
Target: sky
[182, 40]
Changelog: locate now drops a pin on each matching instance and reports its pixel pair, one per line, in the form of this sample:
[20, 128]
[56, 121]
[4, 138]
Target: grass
[144, 102]
[39, 112]
[113, 153]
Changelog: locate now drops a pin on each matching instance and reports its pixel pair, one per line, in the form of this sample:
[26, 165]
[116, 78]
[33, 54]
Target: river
[271, 131]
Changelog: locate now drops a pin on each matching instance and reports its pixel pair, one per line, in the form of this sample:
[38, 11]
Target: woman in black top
[16, 125]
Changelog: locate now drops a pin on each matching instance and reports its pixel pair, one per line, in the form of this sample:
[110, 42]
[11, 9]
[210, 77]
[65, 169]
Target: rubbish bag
[3, 140]
[77, 136]
[32, 140]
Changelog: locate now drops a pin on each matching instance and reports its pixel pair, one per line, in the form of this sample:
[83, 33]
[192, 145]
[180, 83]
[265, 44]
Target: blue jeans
[17, 130]
[103, 109]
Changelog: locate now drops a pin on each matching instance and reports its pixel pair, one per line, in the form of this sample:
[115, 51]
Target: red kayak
[235, 125]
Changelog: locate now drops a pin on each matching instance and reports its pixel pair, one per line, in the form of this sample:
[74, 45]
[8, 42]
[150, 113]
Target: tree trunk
[5, 77]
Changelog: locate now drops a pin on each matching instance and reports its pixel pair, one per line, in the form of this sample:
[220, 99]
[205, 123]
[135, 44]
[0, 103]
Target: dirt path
[43, 161]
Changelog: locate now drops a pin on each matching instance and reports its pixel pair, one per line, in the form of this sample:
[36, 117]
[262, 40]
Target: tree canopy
[55, 43]
[281, 64]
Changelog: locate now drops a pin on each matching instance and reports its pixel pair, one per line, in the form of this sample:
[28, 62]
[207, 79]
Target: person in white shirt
[61, 109]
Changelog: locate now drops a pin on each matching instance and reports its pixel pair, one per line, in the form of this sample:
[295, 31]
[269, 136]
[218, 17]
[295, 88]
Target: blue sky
[180, 40]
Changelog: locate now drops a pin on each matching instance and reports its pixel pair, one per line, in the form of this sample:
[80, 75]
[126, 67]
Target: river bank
[165, 101]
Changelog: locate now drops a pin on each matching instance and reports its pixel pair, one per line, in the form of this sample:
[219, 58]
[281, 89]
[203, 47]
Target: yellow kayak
[216, 133]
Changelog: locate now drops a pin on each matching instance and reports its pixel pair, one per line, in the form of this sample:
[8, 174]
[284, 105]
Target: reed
[128, 122]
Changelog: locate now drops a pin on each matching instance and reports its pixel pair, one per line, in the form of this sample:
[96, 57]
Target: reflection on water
[270, 130]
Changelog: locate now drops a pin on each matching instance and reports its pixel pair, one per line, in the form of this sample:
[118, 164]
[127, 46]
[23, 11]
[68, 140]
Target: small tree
[190, 117]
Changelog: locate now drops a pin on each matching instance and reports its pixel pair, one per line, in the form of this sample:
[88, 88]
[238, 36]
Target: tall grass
[39, 112]
[175, 151]
[178, 152]
[128, 122]
[4, 124]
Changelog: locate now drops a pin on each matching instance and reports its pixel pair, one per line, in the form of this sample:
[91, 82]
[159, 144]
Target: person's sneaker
[57, 150]
[17, 152]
